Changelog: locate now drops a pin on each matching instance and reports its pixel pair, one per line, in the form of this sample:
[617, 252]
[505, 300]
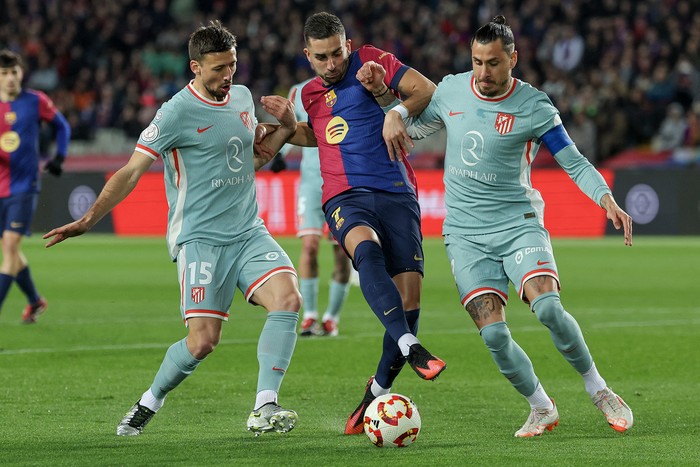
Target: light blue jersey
[207, 150]
[310, 218]
[491, 144]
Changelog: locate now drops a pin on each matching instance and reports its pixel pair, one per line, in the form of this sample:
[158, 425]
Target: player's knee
[203, 346]
[310, 249]
[548, 309]
[368, 253]
[290, 302]
[496, 336]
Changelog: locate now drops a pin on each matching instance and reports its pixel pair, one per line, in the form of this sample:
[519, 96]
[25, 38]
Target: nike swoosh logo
[389, 311]
[542, 263]
[274, 368]
[16, 225]
[202, 130]
[452, 114]
[417, 258]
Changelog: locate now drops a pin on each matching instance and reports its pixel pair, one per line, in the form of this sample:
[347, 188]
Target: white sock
[265, 397]
[310, 314]
[593, 381]
[149, 401]
[406, 341]
[539, 399]
[328, 317]
[377, 390]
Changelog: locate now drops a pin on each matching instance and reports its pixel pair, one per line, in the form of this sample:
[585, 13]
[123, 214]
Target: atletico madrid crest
[504, 123]
[247, 121]
[197, 294]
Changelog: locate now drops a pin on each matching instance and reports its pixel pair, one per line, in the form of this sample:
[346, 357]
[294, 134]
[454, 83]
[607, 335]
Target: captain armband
[556, 139]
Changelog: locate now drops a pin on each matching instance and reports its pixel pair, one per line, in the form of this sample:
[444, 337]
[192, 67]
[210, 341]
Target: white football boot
[617, 413]
[538, 421]
[271, 417]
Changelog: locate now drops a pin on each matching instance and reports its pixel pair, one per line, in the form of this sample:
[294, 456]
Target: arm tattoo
[483, 306]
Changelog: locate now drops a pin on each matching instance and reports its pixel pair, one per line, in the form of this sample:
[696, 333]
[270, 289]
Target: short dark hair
[494, 30]
[210, 39]
[322, 26]
[9, 59]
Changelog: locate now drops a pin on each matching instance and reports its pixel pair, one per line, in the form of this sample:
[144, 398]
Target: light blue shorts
[209, 275]
[310, 218]
[485, 263]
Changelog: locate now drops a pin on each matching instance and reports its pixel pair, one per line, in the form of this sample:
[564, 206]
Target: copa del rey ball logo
[504, 123]
[197, 294]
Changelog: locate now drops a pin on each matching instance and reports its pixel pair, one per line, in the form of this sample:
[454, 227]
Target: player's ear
[513, 59]
[195, 67]
[308, 54]
[348, 45]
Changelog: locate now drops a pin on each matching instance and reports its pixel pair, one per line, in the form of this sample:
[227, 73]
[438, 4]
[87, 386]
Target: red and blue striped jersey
[348, 122]
[20, 123]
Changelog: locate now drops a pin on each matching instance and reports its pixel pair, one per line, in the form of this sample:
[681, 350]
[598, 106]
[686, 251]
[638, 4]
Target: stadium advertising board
[569, 213]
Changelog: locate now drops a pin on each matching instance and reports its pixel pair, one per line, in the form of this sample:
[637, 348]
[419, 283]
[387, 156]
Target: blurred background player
[494, 225]
[205, 136]
[21, 113]
[311, 226]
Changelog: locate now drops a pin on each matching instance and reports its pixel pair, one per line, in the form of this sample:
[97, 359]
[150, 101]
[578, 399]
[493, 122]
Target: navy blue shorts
[394, 216]
[17, 213]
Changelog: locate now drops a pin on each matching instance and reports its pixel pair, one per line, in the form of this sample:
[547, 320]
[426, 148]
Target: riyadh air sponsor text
[474, 174]
[232, 181]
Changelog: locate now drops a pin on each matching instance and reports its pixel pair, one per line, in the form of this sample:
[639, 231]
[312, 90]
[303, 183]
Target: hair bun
[500, 19]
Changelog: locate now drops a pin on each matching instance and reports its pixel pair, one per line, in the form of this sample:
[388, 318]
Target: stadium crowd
[624, 73]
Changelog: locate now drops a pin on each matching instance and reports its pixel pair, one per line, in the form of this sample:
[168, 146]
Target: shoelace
[606, 402]
[140, 416]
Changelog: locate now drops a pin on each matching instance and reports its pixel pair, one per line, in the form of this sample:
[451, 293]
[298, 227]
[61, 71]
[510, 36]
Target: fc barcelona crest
[10, 118]
[331, 98]
[197, 294]
[504, 123]
[247, 121]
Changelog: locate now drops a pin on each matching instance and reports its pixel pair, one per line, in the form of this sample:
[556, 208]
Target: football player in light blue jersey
[494, 227]
[206, 137]
[310, 228]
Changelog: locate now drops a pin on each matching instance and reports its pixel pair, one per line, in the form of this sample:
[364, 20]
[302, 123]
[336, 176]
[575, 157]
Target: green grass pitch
[113, 311]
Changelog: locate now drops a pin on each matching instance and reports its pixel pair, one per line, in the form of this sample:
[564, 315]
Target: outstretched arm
[586, 177]
[115, 190]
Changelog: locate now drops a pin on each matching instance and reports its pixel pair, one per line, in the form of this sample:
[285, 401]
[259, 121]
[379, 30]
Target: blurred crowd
[624, 73]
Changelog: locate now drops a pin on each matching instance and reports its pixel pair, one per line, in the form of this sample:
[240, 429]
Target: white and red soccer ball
[392, 420]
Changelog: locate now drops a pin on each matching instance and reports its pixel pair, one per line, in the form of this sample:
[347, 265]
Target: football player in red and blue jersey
[369, 188]
[21, 113]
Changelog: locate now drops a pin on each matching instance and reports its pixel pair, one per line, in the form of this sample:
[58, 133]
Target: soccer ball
[392, 420]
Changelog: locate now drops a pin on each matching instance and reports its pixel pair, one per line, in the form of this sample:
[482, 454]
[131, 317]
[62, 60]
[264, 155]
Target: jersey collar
[206, 100]
[503, 96]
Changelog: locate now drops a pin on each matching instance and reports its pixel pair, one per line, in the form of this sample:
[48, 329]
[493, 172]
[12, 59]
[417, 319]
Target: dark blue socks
[379, 289]
[392, 360]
